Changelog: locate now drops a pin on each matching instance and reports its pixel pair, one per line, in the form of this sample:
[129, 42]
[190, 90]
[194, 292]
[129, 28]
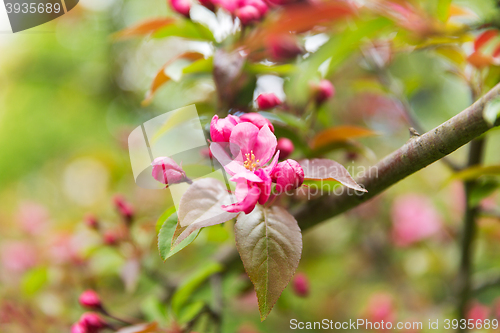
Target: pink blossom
[414, 218]
[380, 307]
[247, 14]
[181, 6]
[257, 119]
[18, 256]
[288, 176]
[267, 101]
[220, 129]
[251, 149]
[33, 217]
[258, 4]
[90, 299]
[286, 147]
[229, 5]
[300, 285]
[123, 207]
[166, 171]
[92, 322]
[78, 328]
[324, 90]
[478, 311]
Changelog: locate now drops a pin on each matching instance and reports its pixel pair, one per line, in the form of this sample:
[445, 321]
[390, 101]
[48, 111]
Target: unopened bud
[288, 176]
[79, 328]
[181, 6]
[166, 171]
[220, 129]
[301, 285]
[285, 146]
[91, 221]
[124, 208]
[110, 238]
[267, 101]
[323, 91]
[284, 48]
[90, 299]
[92, 322]
[248, 14]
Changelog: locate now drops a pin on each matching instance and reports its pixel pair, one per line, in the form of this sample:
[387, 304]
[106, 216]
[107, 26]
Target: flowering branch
[417, 153]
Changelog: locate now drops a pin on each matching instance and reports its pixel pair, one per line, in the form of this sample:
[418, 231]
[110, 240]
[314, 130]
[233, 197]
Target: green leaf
[325, 169]
[166, 214]
[258, 68]
[476, 172]
[190, 311]
[34, 280]
[189, 286]
[166, 237]
[491, 112]
[482, 190]
[270, 244]
[443, 9]
[185, 29]
[199, 66]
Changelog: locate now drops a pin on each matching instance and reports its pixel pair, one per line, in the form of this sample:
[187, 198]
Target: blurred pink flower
[18, 256]
[267, 101]
[90, 299]
[124, 208]
[323, 91]
[33, 217]
[380, 307]
[414, 218]
[181, 6]
[284, 48]
[286, 147]
[478, 311]
[300, 285]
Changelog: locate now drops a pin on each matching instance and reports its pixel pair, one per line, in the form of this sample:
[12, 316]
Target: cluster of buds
[252, 144]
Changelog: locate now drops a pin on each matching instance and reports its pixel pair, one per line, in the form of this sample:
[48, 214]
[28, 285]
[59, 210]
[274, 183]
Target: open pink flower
[249, 151]
[257, 119]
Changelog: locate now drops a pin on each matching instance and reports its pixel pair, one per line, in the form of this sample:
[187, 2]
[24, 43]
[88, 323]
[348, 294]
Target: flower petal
[248, 203]
[232, 166]
[265, 145]
[246, 175]
[243, 138]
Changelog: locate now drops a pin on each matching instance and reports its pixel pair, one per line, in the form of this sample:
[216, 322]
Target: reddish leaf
[270, 244]
[456, 10]
[141, 328]
[479, 60]
[339, 134]
[484, 38]
[200, 207]
[144, 28]
[324, 169]
[161, 77]
[496, 53]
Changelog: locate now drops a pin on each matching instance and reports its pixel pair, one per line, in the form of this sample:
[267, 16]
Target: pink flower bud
[259, 4]
[301, 285]
[92, 322]
[267, 101]
[257, 119]
[91, 221]
[323, 91]
[166, 171]
[285, 146]
[181, 6]
[284, 48]
[478, 311]
[90, 299]
[110, 237]
[288, 176]
[124, 208]
[208, 4]
[247, 14]
[79, 328]
[220, 129]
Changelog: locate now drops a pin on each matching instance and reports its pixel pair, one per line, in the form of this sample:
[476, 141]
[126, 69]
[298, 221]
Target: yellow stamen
[250, 163]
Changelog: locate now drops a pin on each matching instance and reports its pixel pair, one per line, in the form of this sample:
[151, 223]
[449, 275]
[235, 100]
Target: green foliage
[167, 236]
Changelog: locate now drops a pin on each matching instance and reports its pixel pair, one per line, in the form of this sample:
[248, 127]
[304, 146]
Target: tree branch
[416, 154]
